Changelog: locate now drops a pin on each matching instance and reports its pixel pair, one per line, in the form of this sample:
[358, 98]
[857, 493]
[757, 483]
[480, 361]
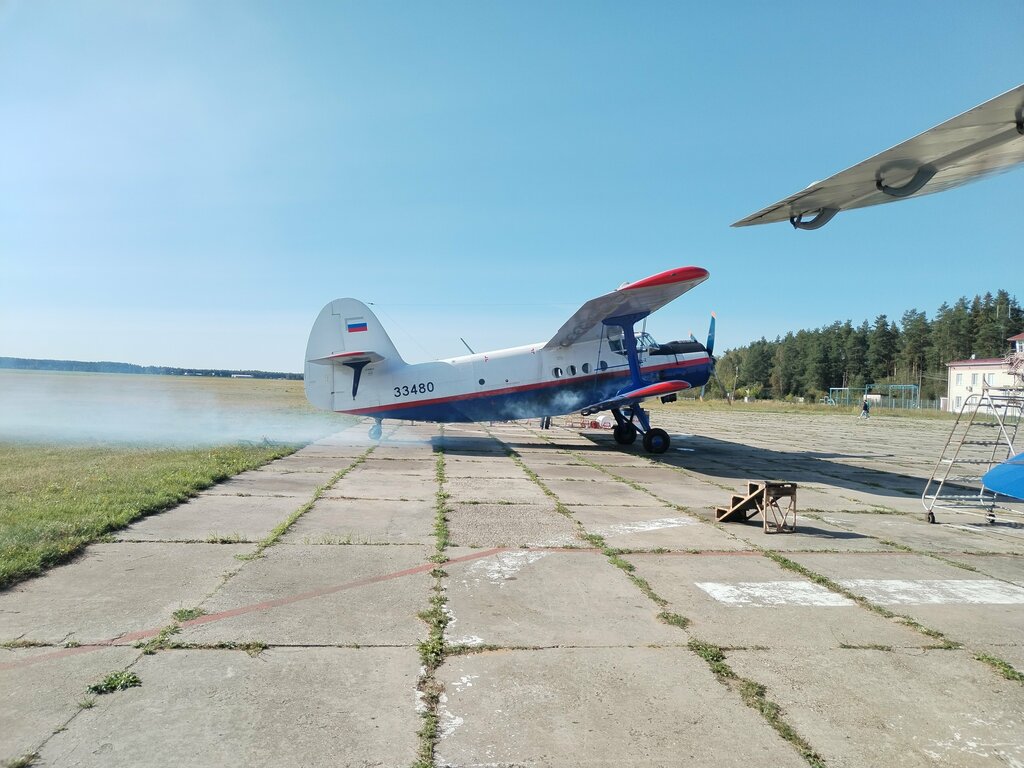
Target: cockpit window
[645, 341]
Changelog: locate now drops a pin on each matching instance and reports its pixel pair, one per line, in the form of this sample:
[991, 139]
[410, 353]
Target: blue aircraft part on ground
[1007, 479]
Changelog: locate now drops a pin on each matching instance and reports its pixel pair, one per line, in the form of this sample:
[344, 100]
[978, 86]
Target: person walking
[865, 410]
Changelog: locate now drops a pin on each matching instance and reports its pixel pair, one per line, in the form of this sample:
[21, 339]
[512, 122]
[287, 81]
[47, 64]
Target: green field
[82, 455]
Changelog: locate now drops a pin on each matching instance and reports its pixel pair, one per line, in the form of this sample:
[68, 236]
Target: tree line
[914, 350]
[106, 366]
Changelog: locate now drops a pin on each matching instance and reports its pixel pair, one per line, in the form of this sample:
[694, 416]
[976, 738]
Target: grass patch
[59, 498]
[87, 703]
[116, 681]
[11, 644]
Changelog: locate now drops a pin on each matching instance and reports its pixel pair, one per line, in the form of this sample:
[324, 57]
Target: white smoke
[168, 410]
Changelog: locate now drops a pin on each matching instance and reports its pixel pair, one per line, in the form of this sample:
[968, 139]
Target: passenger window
[572, 370]
[557, 373]
[586, 367]
[603, 365]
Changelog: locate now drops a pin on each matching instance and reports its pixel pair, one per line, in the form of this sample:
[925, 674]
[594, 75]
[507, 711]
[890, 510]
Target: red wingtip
[677, 275]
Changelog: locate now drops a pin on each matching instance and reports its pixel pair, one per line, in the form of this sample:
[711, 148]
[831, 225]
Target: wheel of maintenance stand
[624, 434]
[656, 441]
[931, 517]
[375, 432]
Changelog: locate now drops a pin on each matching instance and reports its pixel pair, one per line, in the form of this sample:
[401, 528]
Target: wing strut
[626, 323]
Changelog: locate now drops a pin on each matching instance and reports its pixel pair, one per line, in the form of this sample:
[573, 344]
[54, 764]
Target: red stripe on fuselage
[522, 388]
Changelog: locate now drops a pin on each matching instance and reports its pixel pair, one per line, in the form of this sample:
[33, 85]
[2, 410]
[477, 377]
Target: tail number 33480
[414, 389]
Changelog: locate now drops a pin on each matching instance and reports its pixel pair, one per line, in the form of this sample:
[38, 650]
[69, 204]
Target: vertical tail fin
[346, 335]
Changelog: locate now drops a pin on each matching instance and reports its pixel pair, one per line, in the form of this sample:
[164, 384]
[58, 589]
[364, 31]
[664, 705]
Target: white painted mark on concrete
[937, 591]
[688, 450]
[502, 567]
[761, 594]
[642, 526]
[882, 591]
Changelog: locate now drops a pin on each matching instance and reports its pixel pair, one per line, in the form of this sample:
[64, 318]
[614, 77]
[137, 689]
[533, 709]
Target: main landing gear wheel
[624, 434]
[375, 432]
[656, 440]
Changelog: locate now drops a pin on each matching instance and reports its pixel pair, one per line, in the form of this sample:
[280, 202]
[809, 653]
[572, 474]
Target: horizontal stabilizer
[660, 389]
[1007, 478]
[342, 358]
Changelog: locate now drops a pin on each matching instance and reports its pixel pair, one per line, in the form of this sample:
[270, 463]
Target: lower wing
[634, 396]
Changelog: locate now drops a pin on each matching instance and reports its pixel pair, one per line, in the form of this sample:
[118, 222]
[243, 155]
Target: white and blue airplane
[595, 362]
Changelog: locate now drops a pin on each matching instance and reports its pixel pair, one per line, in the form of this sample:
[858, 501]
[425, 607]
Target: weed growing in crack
[187, 614]
[1000, 666]
[116, 681]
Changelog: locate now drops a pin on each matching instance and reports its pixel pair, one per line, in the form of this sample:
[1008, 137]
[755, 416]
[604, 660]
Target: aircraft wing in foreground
[983, 141]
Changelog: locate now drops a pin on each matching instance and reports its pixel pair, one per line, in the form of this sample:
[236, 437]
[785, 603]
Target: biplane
[597, 361]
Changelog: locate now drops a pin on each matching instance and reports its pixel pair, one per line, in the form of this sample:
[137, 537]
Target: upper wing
[982, 141]
[643, 296]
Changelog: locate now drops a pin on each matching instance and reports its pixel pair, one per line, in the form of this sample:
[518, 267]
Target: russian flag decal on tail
[355, 324]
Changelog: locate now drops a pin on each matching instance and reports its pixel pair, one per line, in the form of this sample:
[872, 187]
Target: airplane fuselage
[517, 383]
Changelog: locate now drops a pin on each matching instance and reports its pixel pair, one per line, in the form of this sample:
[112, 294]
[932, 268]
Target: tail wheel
[656, 441]
[624, 434]
[375, 432]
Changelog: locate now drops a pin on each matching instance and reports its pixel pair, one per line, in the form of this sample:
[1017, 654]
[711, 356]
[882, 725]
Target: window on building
[974, 379]
[959, 379]
[959, 402]
[990, 378]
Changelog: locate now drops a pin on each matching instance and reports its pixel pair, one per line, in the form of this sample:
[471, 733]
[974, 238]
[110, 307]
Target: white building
[967, 376]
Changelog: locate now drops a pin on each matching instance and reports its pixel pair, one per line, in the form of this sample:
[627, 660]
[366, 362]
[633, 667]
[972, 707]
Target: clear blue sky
[187, 183]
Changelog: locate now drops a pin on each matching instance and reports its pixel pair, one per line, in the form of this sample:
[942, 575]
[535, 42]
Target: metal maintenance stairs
[982, 436]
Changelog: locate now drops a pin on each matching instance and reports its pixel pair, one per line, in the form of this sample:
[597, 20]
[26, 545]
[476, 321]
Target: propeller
[710, 347]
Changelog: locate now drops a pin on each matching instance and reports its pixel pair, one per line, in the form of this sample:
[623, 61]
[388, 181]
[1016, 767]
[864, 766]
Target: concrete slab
[260, 482]
[601, 493]
[1007, 567]
[971, 623]
[361, 485]
[542, 598]
[305, 595]
[914, 532]
[897, 708]
[364, 521]
[612, 707]
[501, 491]
[824, 620]
[289, 706]
[485, 467]
[509, 525]
[310, 462]
[568, 471]
[810, 534]
[426, 468]
[115, 589]
[214, 517]
[39, 692]
[651, 527]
